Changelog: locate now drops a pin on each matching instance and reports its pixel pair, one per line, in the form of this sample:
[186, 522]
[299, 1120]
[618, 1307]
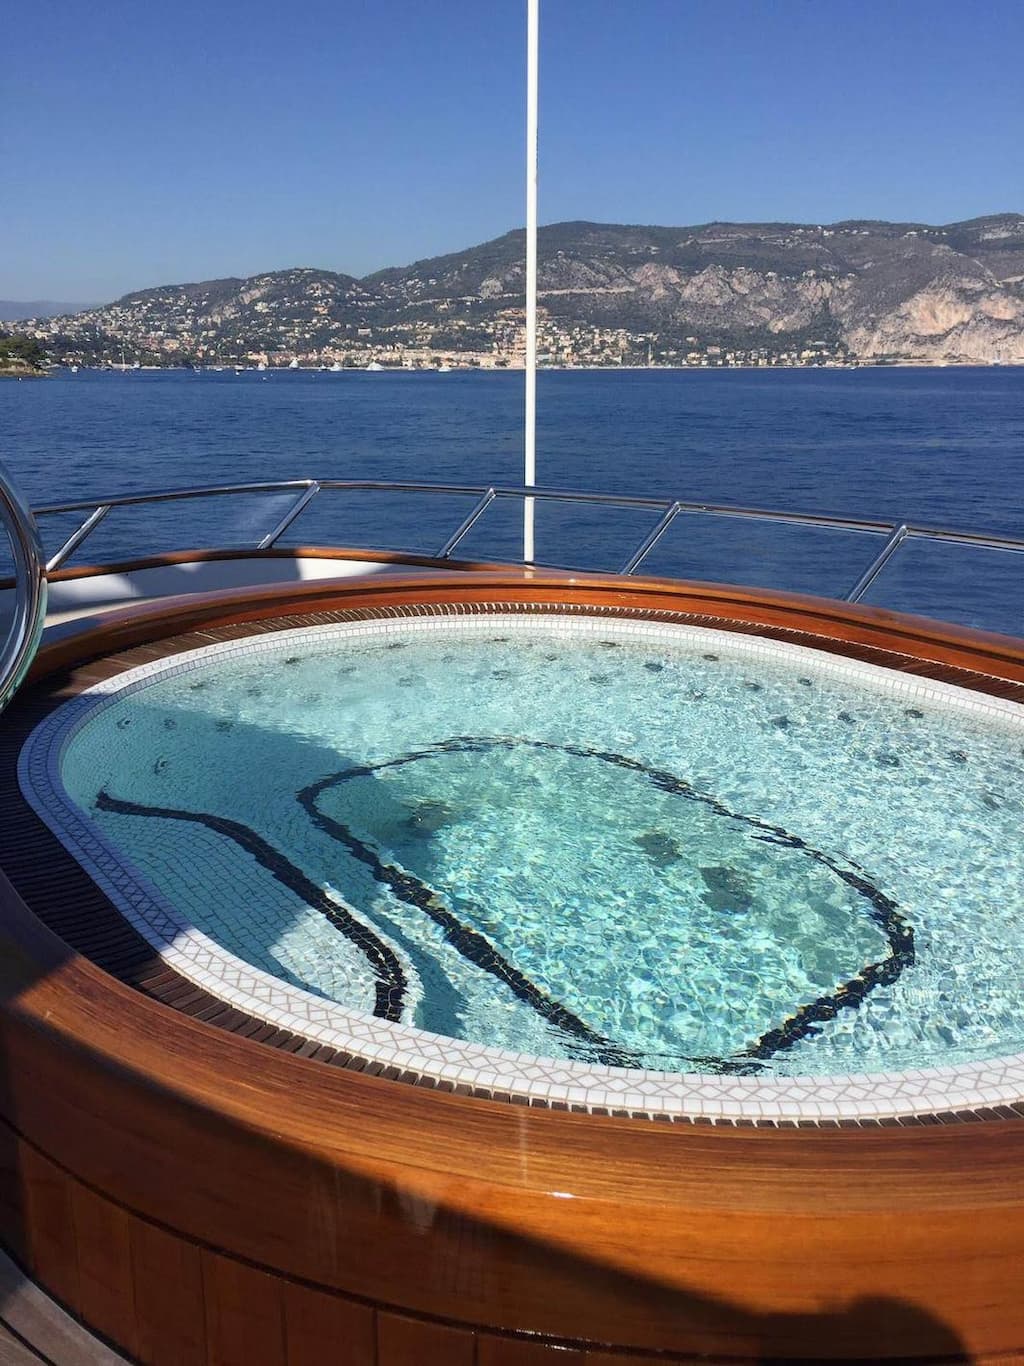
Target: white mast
[530, 442]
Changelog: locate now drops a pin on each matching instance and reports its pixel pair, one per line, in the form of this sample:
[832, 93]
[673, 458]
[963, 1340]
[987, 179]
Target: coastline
[511, 369]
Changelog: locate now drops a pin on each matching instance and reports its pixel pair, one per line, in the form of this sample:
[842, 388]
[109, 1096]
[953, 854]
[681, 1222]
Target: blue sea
[938, 446]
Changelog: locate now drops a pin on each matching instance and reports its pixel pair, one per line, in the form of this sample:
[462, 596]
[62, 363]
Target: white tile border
[976, 1085]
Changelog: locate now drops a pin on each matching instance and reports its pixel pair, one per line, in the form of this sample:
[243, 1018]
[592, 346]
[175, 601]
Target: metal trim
[307, 489]
[878, 563]
[467, 524]
[77, 537]
[974, 538]
[297, 508]
[26, 626]
[651, 539]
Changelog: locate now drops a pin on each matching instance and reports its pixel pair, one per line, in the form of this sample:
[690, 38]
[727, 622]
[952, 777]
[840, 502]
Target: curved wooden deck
[196, 1197]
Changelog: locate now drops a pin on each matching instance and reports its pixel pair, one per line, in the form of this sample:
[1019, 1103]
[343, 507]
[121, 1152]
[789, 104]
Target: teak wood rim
[496, 1219]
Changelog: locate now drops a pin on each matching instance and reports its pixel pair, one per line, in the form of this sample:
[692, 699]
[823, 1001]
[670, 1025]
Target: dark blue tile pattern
[803, 1023]
[390, 984]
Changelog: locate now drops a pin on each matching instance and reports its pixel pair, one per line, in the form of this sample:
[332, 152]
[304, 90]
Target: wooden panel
[50, 1242]
[12, 1196]
[244, 1314]
[168, 1298]
[600, 1358]
[684, 1238]
[327, 1330]
[413, 1342]
[918, 637]
[106, 1298]
[492, 1351]
[688, 1240]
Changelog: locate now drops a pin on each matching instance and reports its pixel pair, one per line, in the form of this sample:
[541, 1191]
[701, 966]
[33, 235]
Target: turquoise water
[577, 841]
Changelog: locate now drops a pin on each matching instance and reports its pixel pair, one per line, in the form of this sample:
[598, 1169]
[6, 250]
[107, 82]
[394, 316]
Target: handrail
[30, 588]
[894, 534]
[170, 495]
[662, 505]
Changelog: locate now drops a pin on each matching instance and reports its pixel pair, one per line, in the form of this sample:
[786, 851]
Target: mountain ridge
[608, 293]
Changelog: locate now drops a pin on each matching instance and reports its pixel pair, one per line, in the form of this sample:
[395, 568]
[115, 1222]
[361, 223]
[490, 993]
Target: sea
[934, 446]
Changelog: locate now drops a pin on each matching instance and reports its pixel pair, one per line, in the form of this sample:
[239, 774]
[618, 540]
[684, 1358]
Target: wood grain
[106, 1282]
[49, 1234]
[327, 1330]
[309, 1194]
[403, 1341]
[244, 1314]
[168, 1294]
[837, 626]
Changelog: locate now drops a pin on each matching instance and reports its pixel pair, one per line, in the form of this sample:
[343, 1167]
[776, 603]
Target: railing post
[651, 539]
[26, 627]
[530, 373]
[301, 503]
[466, 525]
[77, 537]
[896, 539]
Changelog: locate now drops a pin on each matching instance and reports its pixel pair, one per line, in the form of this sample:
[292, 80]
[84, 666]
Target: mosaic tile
[594, 1085]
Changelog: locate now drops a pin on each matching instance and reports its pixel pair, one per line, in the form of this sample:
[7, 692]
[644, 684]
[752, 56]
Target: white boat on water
[444, 369]
[375, 365]
[336, 369]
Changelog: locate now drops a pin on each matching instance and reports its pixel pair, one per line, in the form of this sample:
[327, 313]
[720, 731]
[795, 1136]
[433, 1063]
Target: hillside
[755, 292]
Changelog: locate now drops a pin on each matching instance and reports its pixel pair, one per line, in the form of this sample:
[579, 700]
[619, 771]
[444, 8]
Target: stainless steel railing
[26, 625]
[31, 572]
[666, 511]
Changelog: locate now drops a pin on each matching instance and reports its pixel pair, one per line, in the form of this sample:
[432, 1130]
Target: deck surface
[34, 1329]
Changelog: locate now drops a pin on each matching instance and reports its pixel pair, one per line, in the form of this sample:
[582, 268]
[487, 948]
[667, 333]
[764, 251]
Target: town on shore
[609, 295]
[602, 349]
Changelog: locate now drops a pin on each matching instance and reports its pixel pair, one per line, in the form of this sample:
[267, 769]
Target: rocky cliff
[864, 290]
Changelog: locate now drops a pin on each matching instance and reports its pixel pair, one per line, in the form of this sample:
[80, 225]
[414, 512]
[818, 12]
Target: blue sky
[155, 143]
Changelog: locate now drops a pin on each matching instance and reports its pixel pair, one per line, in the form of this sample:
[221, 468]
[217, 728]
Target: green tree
[20, 352]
